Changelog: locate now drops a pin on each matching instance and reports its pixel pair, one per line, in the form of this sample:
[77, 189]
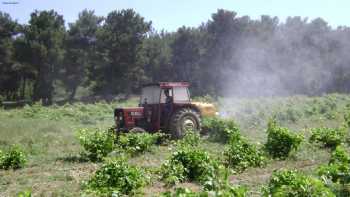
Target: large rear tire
[184, 120]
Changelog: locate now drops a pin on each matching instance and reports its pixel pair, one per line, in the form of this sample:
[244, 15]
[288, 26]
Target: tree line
[226, 55]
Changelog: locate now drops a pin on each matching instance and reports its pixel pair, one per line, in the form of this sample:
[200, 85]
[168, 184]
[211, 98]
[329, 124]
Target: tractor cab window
[166, 93]
[181, 95]
[150, 95]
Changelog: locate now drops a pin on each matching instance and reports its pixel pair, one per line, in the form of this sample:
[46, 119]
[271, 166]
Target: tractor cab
[160, 100]
[163, 106]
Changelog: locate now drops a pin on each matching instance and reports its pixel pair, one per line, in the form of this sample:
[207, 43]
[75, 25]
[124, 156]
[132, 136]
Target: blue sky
[171, 14]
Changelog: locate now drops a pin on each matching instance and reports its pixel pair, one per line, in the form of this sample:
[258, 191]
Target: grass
[55, 168]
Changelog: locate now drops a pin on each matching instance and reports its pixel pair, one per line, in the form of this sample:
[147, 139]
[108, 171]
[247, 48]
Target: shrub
[163, 138]
[26, 193]
[13, 158]
[338, 169]
[173, 172]
[322, 106]
[188, 163]
[220, 184]
[240, 154]
[96, 143]
[328, 137]
[190, 139]
[135, 143]
[116, 177]
[185, 192]
[293, 183]
[339, 155]
[280, 141]
[336, 172]
[290, 114]
[219, 129]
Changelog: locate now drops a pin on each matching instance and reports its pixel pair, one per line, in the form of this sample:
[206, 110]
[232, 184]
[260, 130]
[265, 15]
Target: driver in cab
[168, 101]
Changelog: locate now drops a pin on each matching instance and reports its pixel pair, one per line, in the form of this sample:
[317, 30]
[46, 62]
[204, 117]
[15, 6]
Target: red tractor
[164, 106]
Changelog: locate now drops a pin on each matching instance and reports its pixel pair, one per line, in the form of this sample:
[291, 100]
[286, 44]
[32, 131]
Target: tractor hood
[206, 109]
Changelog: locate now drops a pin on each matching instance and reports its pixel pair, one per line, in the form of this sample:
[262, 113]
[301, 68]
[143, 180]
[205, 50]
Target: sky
[172, 14]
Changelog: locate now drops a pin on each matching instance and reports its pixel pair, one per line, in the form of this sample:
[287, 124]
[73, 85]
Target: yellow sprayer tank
[206, 109]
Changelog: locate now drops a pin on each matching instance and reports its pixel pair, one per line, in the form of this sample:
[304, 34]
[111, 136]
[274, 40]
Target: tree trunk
[43, 86]
[23, 89]
[72, 94]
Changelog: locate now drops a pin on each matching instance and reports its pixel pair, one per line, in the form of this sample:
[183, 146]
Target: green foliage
[135, 143]
[240, 154]
[10, 69]
[338, 169]
[289, 114]
[190, 139]
[280, 141]
[26, 193]
[79, 50]
[292, 183]
[116, 177]
[219, 129]
[339, 155]
[185, 192]
[13, 158]
[173, 172]
[97, 143]
[325, 106]
[186, 50]
[218, 186]
[328, 137]
[337, 173]
[347, 119]
[111, 56]
[122, 30]
[78, 112]
[44, 37]
[188, 162]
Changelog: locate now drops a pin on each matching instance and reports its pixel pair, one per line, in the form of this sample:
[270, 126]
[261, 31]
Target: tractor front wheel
[184, 120]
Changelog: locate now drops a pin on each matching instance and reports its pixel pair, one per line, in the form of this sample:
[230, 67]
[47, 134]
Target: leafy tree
[186, 51]
[222, 34]
[44, 36]
[119, 49]
[80, 50]
[226, 55]
[158, 52]
[9, 75]
[26, 71]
